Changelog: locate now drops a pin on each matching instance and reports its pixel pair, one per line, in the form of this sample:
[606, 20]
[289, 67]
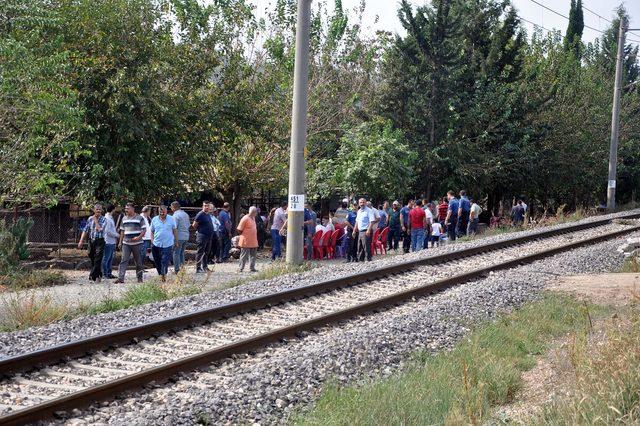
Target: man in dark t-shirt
[204, 227]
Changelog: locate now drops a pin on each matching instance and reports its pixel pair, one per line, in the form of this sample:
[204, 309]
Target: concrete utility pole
[615, 119]
[295, 223]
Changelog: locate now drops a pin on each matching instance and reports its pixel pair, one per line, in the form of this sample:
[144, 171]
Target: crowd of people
[163, 238]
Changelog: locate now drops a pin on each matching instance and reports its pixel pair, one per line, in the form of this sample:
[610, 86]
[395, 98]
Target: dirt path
[553, 377]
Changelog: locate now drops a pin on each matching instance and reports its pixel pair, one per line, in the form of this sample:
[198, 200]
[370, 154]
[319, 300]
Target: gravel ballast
[35, 338]
[269, 386]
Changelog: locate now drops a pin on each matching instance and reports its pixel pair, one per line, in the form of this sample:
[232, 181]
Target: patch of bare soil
[603, 289]
[553, 377]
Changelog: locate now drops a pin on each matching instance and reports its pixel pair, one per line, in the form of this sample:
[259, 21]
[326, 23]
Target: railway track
[36, 385]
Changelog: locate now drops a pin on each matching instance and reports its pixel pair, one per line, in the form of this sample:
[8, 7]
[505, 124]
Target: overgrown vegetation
[30, 310]
[607, 387]
[13, 250]
[460, 386]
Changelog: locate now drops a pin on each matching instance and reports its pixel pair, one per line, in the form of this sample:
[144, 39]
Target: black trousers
[406, 241]
[352, 249]
[452, 227]
[364, 246]
[393, 237]
[204, 247]
[96, 252]
[216, 247]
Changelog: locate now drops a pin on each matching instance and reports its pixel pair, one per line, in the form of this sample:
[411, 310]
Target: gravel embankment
[39, 337]
[267, 387]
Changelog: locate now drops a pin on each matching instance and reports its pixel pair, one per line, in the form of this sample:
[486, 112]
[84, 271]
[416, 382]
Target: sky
[382, 14]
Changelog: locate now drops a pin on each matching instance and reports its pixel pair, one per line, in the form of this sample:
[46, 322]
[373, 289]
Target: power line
[599, 16]
[608, 20]
[537, 25]
[567, 18]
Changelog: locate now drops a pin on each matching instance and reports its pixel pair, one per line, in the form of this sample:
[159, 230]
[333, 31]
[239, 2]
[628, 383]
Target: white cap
[345, 200]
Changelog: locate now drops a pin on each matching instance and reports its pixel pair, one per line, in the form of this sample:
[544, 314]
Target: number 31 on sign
[296, 203]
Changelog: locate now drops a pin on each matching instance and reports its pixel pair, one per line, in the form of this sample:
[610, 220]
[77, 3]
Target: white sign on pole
[296, 203]
[612, 183]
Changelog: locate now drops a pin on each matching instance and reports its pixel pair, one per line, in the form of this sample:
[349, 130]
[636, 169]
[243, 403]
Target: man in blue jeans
[463, 214]
[277, 227]
[451, 220]
[110, 241]
[224, 216]
[181, 218]
[164, 236]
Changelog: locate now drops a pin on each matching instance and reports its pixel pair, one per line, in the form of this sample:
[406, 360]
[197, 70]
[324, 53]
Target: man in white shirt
[146, 240]
[365, 222]
[110, 241]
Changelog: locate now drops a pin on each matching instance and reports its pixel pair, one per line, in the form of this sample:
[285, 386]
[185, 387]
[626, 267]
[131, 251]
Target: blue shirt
[307, 216]
[205, 226]
[163, 231]
[224, 217]
[405, 216]
[351, 218]
[465, 205]
[454, 205]
[364, 217]
[383, 219]
[182, 223]
[311, 229]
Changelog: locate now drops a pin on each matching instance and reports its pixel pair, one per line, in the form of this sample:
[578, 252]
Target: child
[436, 232]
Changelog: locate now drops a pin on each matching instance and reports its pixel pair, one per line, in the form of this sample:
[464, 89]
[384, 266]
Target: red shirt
[416, 217]
[442, 211]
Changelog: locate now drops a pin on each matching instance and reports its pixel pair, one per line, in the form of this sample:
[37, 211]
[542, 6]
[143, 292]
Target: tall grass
[460, 386]
[29, 310]
[607, 376]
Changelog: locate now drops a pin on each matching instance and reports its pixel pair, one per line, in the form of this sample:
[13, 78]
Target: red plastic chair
[374, 240]
[324, 244]
[317, 249]
[381, 243]
[331, 248]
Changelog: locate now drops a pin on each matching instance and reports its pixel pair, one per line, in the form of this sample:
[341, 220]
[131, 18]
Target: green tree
[373, 159]
[575, 28]
[41, 120]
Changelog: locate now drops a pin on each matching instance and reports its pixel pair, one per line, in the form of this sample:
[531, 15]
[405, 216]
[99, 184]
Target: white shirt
[427, 211]
[147, 232]
[524, 206]
[436, 229]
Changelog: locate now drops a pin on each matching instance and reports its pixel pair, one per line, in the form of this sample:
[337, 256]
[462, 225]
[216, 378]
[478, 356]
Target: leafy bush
[13, 244]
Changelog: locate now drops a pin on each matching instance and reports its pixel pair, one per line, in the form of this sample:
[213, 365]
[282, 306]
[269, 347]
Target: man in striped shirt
[132, 230]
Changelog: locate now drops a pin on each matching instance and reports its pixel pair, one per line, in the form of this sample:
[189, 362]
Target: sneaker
[253, 270]
[139, 280]
[118, 281]
[99, 280]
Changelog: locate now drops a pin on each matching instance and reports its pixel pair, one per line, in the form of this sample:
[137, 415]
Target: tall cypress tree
[575, 28]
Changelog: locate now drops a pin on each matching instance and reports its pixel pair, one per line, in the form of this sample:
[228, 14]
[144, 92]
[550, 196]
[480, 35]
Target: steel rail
[82, 347]
[135, 381]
